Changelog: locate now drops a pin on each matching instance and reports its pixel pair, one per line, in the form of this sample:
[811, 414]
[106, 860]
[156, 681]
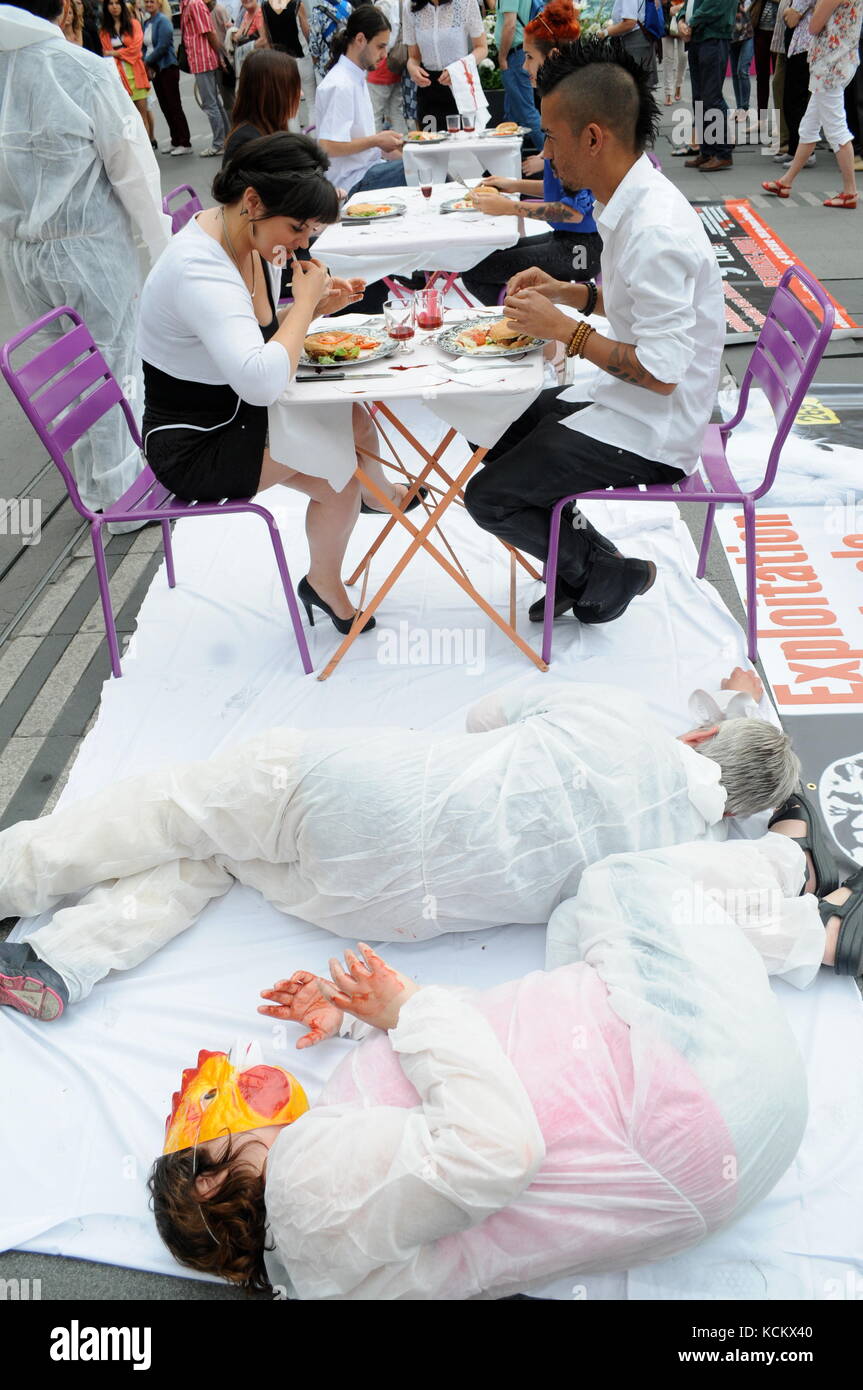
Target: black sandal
[799, 807]
[849, 943]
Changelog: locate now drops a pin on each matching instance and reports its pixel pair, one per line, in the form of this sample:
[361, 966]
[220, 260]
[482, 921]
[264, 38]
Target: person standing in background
[518, 102]
[742, 48]
[385, 81]
[627, 24]
[205, 56]
[708, 30]
[161, 61]
[437, 33]
[778, 45]
[673, 53]
[762, 17]
[325, 21]
[226, 79]
[69, 239]
[796, 91]
[286, 25]
[123, 40]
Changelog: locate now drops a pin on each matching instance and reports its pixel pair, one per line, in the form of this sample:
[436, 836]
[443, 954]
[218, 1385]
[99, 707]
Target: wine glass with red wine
[425, 177]
[399, 320]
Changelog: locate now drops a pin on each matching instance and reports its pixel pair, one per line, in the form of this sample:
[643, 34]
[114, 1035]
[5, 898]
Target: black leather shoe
[28, 984]
[562, 604]
[310, 601]
[640, 576]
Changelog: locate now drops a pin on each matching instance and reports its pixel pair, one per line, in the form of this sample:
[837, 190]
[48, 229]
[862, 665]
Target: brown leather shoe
[697, 162]
[713, 165]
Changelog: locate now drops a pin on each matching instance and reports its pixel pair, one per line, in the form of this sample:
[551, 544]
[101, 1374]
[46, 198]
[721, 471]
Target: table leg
[420, 540]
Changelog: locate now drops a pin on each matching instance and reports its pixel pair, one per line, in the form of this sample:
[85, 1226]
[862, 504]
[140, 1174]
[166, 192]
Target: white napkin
[467, 89]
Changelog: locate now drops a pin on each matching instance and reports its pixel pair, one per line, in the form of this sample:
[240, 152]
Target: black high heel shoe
[310, 601]
[421, 494]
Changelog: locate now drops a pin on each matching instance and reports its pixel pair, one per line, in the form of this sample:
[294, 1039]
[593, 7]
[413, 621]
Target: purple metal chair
[66, 388]
[181, 214]
[783, 362]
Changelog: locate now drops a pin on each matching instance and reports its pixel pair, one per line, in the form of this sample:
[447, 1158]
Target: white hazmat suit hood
[78, 184]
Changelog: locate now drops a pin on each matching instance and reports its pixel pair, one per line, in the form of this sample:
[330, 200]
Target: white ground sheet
[213, 662]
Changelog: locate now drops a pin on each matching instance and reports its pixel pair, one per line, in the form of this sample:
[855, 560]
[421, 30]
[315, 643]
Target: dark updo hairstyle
[288, 174]
[268, 91]
[363, 19]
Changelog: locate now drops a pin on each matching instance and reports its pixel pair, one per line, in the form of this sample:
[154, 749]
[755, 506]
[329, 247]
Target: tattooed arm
[551, 212]
[621, 360]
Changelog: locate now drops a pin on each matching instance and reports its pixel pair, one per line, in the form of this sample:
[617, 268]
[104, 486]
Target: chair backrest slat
[68, 387]
[85, 414]
[42, 368]
[786, 357]
[185, 211]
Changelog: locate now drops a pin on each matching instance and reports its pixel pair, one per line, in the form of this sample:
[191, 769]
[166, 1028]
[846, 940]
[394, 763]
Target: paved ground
[53, 658]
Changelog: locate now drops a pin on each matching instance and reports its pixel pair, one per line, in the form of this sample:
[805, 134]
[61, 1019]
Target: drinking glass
[453, 124]
[425, 177]
[468, 121]
[429, 309]
[399, 319]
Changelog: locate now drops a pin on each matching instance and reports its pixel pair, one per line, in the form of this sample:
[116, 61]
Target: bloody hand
[300, 1000]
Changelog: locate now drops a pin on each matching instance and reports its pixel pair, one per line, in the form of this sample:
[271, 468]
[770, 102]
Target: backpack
[536, 9]
[654, 19]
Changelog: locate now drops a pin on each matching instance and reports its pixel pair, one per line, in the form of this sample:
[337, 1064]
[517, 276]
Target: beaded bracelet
[592, 297]
[575, 347]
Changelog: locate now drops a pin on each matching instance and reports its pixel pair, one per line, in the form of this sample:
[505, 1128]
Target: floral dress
[833, 55]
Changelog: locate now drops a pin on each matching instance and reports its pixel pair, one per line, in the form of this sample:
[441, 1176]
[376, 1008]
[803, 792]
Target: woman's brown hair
[268, 92]
[224, 1234]
[554, 25]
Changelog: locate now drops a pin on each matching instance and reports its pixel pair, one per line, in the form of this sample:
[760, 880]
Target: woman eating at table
[216, 353]
[571, 250]
[437, 33]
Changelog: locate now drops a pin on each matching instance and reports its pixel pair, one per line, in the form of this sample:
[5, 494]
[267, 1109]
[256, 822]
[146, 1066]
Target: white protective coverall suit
[378, 833]
[612, 1111]
[78, 184]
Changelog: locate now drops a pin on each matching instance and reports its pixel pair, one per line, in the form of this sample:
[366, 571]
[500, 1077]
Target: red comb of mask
[187, 1078]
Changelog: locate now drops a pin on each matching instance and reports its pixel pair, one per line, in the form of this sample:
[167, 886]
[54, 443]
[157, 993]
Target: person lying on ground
[394, 833]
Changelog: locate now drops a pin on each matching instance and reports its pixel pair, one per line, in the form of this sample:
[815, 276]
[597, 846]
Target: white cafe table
[467, 154]
[312, 422]
[423, 239]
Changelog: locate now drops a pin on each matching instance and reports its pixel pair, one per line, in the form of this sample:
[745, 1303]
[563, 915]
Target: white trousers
[826, 111]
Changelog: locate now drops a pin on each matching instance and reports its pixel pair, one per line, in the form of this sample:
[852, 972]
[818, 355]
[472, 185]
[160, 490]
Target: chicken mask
[217, 1098]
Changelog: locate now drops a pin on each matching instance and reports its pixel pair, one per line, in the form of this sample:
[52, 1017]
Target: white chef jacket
[662, 291]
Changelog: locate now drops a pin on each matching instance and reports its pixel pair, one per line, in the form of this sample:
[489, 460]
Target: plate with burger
[373, 212]
[335, 348]
[426, 137]
[507, 129]
[482, 337]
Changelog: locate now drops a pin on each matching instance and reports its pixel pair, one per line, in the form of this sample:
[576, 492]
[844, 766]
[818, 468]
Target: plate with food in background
[482, 337]
[426, 137]
[507, 129]
[340, 348]
[373, 212]
[465, 203]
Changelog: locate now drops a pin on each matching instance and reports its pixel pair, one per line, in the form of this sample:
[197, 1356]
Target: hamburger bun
[507, 128]
[506, 334]
[364, 209]
[325, 344]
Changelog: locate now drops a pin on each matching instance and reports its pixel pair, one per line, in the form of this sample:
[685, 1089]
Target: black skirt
[202, 442]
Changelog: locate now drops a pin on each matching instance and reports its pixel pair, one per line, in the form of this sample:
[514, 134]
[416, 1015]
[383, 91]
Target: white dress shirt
[443, 33]
[662, 291]
[343, 109]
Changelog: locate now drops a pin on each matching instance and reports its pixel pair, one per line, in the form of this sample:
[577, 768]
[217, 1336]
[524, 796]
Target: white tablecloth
[310, 426]
[468, 155]
[423, 239]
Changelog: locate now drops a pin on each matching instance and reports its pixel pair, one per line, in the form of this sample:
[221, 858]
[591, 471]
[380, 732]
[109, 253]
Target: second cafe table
[312, 421]
[423, 239]
[466, 154]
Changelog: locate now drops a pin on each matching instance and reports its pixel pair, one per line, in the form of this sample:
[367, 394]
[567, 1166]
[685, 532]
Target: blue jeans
[387, 173]
[518, 102]
[741, 57]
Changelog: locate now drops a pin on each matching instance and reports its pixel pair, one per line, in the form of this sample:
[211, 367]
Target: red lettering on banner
[818, 695]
